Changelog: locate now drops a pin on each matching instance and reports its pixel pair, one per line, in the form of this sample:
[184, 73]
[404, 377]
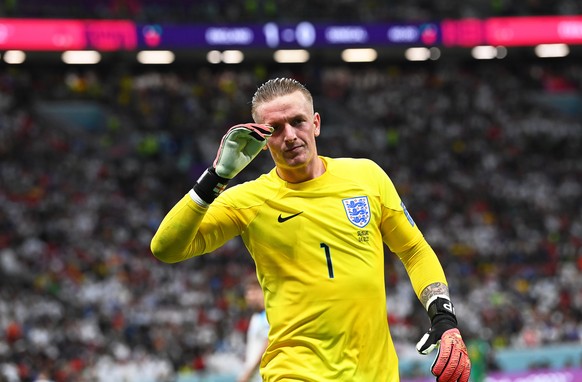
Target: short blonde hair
[277, 87]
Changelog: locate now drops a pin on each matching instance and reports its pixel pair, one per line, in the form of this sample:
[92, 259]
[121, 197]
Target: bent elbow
[162, 252]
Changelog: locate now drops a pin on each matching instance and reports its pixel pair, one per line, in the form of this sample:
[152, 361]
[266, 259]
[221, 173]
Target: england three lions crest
[358, 210]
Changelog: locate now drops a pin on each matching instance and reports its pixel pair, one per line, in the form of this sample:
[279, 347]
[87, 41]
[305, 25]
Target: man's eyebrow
[301, 116]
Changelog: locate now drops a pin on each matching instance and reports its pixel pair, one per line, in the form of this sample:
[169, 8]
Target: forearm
[425, 271]
[253, 366]
[177, 237]
[250, 371]
[433, 291]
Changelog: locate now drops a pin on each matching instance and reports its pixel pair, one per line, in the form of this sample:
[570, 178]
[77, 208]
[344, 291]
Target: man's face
[254, 297]
[292, 144]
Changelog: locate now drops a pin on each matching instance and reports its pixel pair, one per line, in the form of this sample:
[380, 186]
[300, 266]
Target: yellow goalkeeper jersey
[318, 249]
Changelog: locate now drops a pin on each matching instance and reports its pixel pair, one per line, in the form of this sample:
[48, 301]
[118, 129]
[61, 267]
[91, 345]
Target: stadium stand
[213, 11]
[486, 156]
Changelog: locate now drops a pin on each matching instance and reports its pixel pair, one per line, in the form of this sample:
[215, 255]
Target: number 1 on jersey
[328, 258]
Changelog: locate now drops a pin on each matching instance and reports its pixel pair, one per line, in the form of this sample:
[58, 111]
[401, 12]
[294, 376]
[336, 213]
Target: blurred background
[109, 111]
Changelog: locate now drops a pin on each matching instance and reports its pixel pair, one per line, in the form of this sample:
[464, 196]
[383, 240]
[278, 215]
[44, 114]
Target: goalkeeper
[316, 228]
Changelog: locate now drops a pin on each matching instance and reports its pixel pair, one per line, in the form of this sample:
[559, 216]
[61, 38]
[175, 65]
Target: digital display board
[274, 35]
[463, 33]
[41, 34]
[512, 31]
[59, 35]
[112, 35]
[526, 31]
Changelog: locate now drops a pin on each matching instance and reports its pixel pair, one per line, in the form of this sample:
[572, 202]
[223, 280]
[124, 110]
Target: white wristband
[197, 199]
[430, 300]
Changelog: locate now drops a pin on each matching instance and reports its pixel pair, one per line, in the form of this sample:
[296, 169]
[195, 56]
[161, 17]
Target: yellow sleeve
[190, 230]
[401, 234]
[422, 265]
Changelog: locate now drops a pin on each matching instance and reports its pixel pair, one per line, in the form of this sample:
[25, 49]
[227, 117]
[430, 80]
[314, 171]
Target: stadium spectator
[257, 335]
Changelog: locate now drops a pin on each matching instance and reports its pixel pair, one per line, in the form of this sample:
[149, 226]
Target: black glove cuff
[210, 185]
[442, 309]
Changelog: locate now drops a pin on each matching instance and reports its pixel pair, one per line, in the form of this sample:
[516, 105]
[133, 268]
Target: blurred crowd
[486, 156]
[213, 11]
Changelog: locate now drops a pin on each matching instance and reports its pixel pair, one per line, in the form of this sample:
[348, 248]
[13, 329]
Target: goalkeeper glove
[238, 147]
[452, 361]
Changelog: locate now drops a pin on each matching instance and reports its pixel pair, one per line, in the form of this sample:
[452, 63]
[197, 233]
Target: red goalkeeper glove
[452, 361]
[238, 147]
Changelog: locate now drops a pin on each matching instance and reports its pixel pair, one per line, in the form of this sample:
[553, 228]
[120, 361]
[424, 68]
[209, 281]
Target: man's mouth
[293, 149]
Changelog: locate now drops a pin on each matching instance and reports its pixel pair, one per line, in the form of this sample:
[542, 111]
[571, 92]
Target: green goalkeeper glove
[238, 147]
[452, 361]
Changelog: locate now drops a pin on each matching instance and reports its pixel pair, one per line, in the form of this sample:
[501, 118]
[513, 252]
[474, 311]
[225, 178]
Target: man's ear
[317, 124]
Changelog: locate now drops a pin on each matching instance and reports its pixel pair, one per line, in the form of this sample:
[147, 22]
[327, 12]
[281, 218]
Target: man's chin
[296, 157]
[294, 162]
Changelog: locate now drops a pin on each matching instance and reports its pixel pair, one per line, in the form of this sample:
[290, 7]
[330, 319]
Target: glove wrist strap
[442, 306]
[210, 185]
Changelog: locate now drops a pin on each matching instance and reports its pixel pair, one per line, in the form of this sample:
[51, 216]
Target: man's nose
[289, 133]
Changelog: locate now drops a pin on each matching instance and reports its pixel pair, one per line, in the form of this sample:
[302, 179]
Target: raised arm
[187, 230]
[178, 237]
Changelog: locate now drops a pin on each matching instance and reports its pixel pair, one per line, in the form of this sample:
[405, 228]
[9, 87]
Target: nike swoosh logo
[282, 219]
